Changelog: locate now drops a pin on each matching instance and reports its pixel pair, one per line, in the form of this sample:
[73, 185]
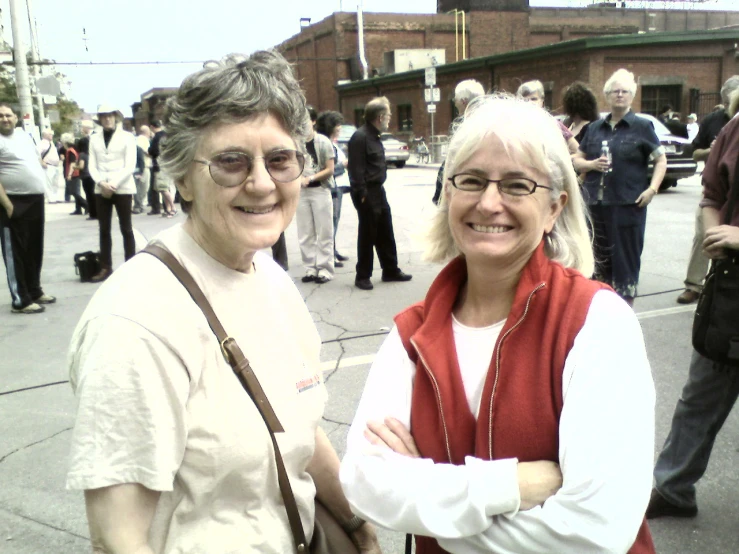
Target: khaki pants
[315, 221]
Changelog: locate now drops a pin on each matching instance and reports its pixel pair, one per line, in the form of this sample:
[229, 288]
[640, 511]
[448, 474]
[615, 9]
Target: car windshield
[346, 132]
[659, 127]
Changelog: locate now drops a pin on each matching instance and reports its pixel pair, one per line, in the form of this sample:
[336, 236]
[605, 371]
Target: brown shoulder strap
[241, 367]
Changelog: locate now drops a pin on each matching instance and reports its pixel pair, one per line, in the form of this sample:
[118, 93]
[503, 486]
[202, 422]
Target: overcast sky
[180, 30]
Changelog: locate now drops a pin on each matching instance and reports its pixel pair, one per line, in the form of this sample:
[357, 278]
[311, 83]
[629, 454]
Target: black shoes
[320, 280]
[308, 278]
[101, 275]
[660, 507]
[340, 257]
[338, 264]
[154, 212]
[399, 276]
[364, 284]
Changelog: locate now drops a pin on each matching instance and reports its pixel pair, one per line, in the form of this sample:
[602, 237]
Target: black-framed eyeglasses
[231, 169]
[514, 186]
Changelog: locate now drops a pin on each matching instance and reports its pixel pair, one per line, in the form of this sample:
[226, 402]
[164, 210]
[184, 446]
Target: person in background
[143, 169]
[72, 174]
[533, 91]
[112, 164]
[702, 143]
[464, 93]
[172, 454]
[581, 107]
[692, 127]
[675, 126]
[50, 163]
[329, 125]
[666, 113]
[155, 204]
[22, 215]
[88, 183]
[160, 181]
[710, 391]
[618, 193]
[512, 410]
[314, 216]
[367, 175]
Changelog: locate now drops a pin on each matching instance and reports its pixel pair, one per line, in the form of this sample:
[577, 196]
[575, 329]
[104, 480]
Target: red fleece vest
[522, 396]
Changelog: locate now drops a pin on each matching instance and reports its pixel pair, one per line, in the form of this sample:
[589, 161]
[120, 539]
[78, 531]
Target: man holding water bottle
[615, 153]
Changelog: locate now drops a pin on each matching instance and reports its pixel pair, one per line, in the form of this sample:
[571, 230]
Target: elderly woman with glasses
[618, 187]
[512, 410]
[171, 452]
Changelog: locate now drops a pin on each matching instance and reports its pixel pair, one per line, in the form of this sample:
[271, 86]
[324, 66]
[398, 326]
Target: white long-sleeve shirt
[114, 162]
[606, 445]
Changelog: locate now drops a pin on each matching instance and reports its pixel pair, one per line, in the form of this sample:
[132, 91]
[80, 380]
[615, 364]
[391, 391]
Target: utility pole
[21, 70]
[35, 58]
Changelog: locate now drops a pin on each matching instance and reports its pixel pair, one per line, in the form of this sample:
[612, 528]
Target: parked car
[345, 134]
[396, 152]
[679, 153]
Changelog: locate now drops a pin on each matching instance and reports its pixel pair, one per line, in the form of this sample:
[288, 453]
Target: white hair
[468, 90]
[623, 76]
[534, 140]
[530, 87]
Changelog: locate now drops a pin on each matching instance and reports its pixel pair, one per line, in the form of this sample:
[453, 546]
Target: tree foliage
[68, 109]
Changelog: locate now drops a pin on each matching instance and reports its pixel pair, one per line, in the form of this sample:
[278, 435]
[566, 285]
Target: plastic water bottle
[605, 151]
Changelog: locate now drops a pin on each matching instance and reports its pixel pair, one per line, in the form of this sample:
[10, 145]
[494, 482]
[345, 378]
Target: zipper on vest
[497, 367]
[438, 398]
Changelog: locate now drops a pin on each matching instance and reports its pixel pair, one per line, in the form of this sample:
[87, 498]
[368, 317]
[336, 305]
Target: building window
[655, 97]
[405, 117]
[358, 117]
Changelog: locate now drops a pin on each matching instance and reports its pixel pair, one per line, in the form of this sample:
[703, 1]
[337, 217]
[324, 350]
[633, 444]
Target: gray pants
[698, 263]
[704, 405]
[142, 189]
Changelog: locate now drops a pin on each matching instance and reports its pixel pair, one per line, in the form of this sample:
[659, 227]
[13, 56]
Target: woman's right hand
[537, 481]
[600, 164]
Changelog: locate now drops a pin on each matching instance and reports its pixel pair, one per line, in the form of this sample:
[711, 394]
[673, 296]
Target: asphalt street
[37, 515]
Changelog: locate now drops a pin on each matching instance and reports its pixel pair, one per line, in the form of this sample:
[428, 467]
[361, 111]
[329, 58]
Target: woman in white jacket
[112, 163]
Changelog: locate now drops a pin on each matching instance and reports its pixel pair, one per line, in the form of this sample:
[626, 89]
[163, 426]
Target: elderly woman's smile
[232, 222]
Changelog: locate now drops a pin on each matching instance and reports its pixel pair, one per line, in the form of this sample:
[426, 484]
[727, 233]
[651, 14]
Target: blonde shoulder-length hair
[531, 136]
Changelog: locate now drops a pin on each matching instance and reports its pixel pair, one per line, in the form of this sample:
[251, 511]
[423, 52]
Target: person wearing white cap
[692, 126]
[112, 164]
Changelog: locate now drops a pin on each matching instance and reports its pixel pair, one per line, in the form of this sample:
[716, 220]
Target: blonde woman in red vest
[512, 411]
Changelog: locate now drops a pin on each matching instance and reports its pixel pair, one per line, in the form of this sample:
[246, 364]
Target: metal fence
[702, 103]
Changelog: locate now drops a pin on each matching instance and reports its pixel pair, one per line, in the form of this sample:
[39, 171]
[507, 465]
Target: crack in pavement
[344, 423]
[33, 444]
[49, 525]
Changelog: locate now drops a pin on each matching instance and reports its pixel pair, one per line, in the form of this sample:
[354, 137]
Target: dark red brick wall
[498, 32]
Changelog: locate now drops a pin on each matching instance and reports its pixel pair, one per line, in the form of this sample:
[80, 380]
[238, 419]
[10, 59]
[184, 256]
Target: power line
[47, 62]
[172, 62]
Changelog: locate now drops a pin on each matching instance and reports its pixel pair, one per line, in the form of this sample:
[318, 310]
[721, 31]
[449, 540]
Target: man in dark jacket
[702, 143]
[367, 174]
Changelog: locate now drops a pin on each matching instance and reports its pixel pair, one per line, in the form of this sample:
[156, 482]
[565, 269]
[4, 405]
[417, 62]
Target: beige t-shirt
[159, 405]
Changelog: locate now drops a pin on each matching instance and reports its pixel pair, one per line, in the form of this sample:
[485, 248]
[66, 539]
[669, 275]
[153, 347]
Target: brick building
[507, 42]
[684, 69]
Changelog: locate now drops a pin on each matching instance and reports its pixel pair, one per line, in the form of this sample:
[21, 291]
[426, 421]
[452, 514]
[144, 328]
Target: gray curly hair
[232, 90]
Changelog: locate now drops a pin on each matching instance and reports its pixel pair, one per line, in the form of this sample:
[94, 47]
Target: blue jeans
[704, 405]
[336, 198]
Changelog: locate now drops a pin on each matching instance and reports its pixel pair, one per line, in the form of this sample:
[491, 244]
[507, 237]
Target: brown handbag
[328, 535]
